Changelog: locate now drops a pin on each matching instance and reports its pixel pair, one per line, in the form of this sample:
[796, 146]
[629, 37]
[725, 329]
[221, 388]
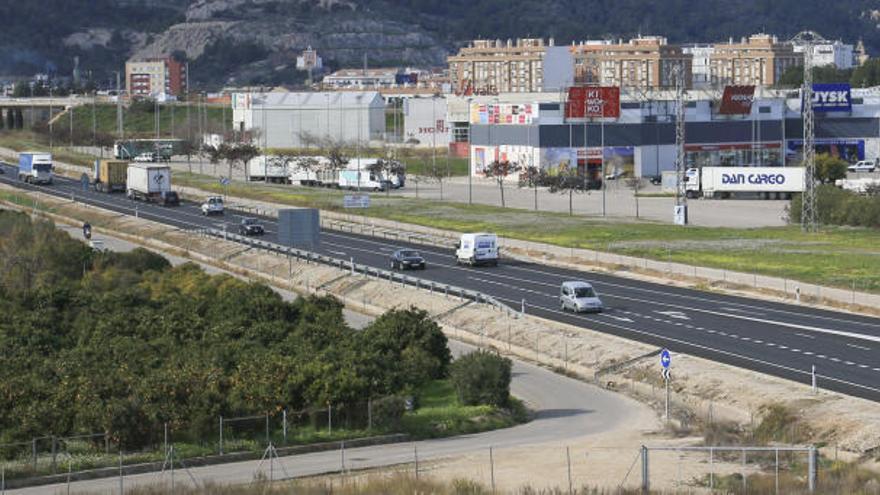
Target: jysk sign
[737, 100]
[832, 97]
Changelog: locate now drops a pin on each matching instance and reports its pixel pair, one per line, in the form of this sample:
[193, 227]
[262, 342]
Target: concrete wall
[425, 123]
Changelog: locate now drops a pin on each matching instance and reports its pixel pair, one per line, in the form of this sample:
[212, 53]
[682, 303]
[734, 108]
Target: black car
[407, 258]
[251, 226]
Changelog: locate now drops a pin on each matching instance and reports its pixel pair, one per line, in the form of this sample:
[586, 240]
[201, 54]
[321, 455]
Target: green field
[838, 256]
[139, 122]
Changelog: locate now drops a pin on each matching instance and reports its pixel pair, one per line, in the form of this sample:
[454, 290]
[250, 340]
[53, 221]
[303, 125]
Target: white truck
[150, 182]
[477, 249]
[858, 186]
[753, 182]
[304, 170]
[35, 167]
[357, 175]
[267, 168]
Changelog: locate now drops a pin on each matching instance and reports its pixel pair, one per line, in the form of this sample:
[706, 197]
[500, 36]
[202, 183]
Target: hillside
[256, 41]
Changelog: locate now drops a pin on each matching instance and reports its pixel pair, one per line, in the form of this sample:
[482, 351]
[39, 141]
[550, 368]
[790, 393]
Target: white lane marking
[863, 366]
[848, 363]
[719, 351]
[338, 253]
[747, 339]
[674, 314]
[521, 289]
[860, 347]
[805, 335]
[808, 353]
[783, 347]
[836, 360]
[821, 356]
[618, 318]
[795, 350]
[740, 310]
[759, 341]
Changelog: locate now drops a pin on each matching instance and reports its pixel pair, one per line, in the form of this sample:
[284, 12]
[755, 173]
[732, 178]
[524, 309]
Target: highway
[779, 339]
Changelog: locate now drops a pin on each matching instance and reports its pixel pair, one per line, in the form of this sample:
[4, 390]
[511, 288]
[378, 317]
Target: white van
[579, 297]
[477, 249]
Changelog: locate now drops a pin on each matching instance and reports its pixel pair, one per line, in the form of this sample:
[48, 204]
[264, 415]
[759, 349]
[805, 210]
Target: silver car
[579, 297]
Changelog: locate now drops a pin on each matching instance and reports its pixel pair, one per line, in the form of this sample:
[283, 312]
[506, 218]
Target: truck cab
[477, 249]
[35, 167]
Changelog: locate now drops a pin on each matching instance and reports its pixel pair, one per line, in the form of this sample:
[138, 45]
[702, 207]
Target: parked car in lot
[213, 206]
[579, 296]
[251, 226]
[863, 166]
[146, 157]
[407, 258]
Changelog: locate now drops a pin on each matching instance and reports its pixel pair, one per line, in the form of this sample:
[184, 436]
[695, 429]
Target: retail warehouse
[741, 126]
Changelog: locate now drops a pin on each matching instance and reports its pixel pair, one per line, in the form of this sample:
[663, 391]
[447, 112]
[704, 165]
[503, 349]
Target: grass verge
[844, 257]
[31, 141]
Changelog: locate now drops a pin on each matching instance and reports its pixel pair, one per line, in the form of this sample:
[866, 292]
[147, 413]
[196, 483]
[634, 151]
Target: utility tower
[680, 214]
[809, 210]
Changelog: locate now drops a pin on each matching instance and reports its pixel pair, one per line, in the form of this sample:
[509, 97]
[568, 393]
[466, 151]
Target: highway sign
[224, 181]
[665, 358]
[356, 201]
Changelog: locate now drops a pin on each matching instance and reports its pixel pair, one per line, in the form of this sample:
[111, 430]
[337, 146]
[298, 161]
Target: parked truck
[268, 168]
[110, 175]
[150, 182]
[752, 182]
[35, 167]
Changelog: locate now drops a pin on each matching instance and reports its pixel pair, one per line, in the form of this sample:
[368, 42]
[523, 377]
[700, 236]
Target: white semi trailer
[752, 182]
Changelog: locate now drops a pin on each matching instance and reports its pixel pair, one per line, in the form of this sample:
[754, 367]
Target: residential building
[294, 120]
[701, 55]
[646, 62]
[156, 77]
[309, 61]
[832, 53]
[524, 65]
[760, 59]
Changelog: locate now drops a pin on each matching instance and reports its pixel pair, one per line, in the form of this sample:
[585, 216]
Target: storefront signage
[737, 100]
[832, 97]
[593, 102]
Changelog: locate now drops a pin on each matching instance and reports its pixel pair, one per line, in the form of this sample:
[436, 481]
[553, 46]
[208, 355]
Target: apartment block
[760, 59]
[647, 62]
[514, 66]
[156, 77]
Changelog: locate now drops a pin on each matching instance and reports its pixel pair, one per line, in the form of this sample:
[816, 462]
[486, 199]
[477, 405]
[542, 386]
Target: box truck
[150, 182]
[34, 167]
[267, 168]
[753, 182]
[110, 175]
[477, 249]
[304, 170]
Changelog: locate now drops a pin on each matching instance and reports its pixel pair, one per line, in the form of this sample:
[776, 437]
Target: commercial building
[520, 66]
[156, 77]
[424, 122]
[293, 120]
[746, 127]
[646, 62]
[760, 59]
[369, 78]
[833, 53]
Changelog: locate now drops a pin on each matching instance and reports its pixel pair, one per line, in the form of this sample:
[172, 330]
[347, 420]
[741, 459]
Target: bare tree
[533, 177]
[233, 154]
[567, 181]
[500, 170]
[635, 183]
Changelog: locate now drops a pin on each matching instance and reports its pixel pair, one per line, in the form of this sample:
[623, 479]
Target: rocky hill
[256, 41]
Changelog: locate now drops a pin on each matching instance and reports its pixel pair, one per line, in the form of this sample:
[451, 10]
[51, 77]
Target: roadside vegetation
[119, 346]
[139, 119]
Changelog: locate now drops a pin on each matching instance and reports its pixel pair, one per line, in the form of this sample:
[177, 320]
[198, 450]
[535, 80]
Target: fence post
[711, 468]
[492, 468]
[416, 458]
[268, 442]
[121, 482]
[54, 454]
[34, 452]
[811, 475]
[221, 435]
[369, 413]
[329, 419]
[777, 471]
[284, 425]
[165, 441]
[568, 461]
[646, 485]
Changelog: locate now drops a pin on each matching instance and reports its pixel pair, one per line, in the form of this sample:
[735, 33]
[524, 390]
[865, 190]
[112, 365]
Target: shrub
[388, 411]
[482, 378]
[839, 207]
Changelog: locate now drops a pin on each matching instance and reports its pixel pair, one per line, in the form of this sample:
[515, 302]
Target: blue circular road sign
[665, 358]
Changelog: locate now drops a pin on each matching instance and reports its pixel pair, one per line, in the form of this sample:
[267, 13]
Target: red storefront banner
[593, 102]
[737, 100]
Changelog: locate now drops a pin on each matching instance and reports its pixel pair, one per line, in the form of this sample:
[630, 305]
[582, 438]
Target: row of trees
[840, 207]
[123, 342]
[863, 76]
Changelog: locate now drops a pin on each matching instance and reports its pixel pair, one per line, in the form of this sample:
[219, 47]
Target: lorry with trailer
[110, 175]
[306, 170]
[35, 167]
[477, 249]
[267, 168]
[150, 182]
[744, 182]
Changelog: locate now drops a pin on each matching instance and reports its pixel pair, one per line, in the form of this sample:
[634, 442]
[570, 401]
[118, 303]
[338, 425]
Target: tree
[499, 171]
[567, 181]
[233, 154]
[635, 184]
[830, 168]
[482, 377]
[533, 177]
[188, 148]
[867, 74]
[386, 168]
[793, 77]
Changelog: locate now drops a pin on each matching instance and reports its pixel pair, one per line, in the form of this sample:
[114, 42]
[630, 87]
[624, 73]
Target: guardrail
[365, 270]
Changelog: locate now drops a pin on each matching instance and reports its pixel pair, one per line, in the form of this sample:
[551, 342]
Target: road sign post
[665, 362]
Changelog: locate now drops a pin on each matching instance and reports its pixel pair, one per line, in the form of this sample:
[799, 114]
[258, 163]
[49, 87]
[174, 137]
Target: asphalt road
[779, 339]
